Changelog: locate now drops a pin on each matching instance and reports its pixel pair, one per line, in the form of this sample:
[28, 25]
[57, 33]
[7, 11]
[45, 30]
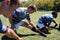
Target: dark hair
[54, 13]
[33, 7]
[13, 2]
[1, 0]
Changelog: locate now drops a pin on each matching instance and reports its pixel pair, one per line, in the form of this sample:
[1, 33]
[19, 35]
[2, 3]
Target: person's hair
[54, 13]
[33, 7]
[1, 0]
[13, 2]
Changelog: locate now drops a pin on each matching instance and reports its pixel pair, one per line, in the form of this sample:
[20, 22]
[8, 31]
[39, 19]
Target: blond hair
[33, 7]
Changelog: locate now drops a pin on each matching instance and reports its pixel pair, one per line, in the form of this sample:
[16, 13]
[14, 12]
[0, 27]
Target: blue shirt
[0, 23]
[47, 18]
[20, 14]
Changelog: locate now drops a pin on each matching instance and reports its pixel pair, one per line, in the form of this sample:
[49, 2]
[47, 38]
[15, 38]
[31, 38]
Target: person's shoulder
[51, 16]
[45, 15]
[48, 14]
[21, 9]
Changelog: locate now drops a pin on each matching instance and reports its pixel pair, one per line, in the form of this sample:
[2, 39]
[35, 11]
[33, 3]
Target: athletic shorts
[18, 24]
[40, 25]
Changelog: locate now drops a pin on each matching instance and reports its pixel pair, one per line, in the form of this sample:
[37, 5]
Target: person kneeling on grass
[8, 31]
[46, 20]
[18, 16]
[7, 7]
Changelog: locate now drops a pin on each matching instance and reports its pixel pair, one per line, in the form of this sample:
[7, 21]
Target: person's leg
[10, 33]
[41, 32]
[13, 27]
[34, 29]
[45, 30]
[40, 26]
[24, 24]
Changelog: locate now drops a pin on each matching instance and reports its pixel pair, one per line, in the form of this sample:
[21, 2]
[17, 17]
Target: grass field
[27, 34]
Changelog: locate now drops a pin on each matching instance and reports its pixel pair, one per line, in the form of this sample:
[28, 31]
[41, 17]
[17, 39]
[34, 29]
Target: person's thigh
[23, 24]
[40, 25]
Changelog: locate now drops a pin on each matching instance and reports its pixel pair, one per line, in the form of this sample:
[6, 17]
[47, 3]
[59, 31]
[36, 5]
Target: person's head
[31, 8]
[54, 13]
[8, 6]
[8, 2]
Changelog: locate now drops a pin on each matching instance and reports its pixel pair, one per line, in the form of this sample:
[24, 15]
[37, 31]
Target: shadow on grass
[21, 35]
[25, 35]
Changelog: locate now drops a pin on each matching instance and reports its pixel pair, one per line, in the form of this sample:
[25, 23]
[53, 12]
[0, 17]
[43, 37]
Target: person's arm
[55, 23]
[30, 22]
[48, 24]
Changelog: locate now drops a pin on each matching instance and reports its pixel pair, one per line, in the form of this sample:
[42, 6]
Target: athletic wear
[20, 14]
[18, 17]
[47, 18]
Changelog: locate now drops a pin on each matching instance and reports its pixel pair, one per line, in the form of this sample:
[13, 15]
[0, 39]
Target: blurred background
[46, 5]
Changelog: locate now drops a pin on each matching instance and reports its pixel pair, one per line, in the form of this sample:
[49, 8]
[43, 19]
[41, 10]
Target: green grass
[27, 34]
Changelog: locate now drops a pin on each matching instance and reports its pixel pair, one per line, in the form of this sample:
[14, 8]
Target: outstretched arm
[35, 29]
[30, 22]
[55, 23]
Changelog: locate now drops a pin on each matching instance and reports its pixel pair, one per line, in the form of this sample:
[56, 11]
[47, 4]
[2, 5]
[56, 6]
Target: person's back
[19, 14]
[46, 18]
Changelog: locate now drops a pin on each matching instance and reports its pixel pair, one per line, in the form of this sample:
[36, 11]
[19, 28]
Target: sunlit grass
[27, 34]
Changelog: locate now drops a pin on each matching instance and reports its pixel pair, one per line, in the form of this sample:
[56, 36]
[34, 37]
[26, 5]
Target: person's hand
[55, 25]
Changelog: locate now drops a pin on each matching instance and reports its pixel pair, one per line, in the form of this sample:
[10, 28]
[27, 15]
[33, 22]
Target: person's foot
[47, 32]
